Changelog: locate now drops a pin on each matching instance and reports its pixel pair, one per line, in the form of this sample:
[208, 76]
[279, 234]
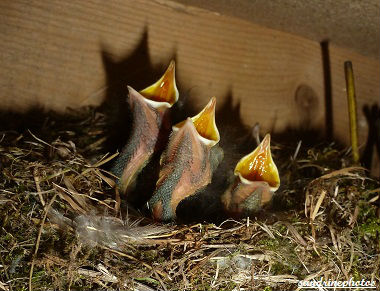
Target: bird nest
[64, 227]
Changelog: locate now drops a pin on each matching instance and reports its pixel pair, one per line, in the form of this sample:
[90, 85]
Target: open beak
[205, 125]
[150, 127]
[186, 164]
[256, 179]
[164, 91]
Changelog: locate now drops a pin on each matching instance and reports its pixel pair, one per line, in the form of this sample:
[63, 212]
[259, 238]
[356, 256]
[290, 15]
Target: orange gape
[259, 166]
[164, 90]
[204, 122]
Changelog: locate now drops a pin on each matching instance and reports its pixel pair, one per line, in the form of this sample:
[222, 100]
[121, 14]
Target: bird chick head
[256, 178]
[259, 166]
[204, 123]
[163, 93]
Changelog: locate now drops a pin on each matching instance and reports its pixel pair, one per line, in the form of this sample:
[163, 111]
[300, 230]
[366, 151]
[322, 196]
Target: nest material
[64, 226]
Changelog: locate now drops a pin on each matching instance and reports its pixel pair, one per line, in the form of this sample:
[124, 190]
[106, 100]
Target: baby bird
[256, 179]
[188, 162]
[150, 127]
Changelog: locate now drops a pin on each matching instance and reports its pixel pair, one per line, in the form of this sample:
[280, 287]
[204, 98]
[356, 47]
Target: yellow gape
[204, 123]
[165, 89]
[259, 166]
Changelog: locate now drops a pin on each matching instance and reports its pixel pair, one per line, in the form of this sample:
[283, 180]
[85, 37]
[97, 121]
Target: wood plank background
[347, 23]
[67, 53]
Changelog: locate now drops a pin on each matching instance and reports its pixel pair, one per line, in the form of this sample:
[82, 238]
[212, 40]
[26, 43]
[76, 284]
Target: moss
[148, 280]
[283, 229]
[356, 274]
[289, 260]
[371, 228]
[161, 260]
[149, 255]
[228, 286]
[278, 268]
[270, 244]
[368, 224]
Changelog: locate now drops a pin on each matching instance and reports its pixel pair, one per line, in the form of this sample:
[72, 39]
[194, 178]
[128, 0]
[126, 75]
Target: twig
[38, 240]
[41, 141]
[297, 150]
[213, 283]
[3, 286]
[295, 233]
[103, 160]
[38, 187]
[6, 274]
[351, 99]
[291, 279]
[203, 261]
[159, 280]
[218, 246]
[118, 200]
[256, 132]
[160, 272]
[342, 172]
[318, 205]
[97, 274]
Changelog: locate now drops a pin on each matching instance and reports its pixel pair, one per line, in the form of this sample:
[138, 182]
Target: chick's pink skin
[187, 164]
[242, 199]
[185, 169]
[150, 127]
[149, 124]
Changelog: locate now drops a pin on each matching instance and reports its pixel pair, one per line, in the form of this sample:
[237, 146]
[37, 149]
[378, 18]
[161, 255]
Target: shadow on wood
[372, 114]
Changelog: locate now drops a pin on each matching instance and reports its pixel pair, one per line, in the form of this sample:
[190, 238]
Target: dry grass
[62, 226]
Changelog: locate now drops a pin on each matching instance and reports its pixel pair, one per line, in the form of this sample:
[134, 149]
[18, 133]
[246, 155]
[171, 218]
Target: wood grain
[53, 52]
[345, 23]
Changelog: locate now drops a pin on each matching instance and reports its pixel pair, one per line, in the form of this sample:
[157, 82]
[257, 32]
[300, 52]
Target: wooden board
[346, 23]
[67, 53]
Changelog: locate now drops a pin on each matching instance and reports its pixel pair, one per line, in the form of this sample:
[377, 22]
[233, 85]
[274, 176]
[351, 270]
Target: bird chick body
[150, 127]
[187, 164]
